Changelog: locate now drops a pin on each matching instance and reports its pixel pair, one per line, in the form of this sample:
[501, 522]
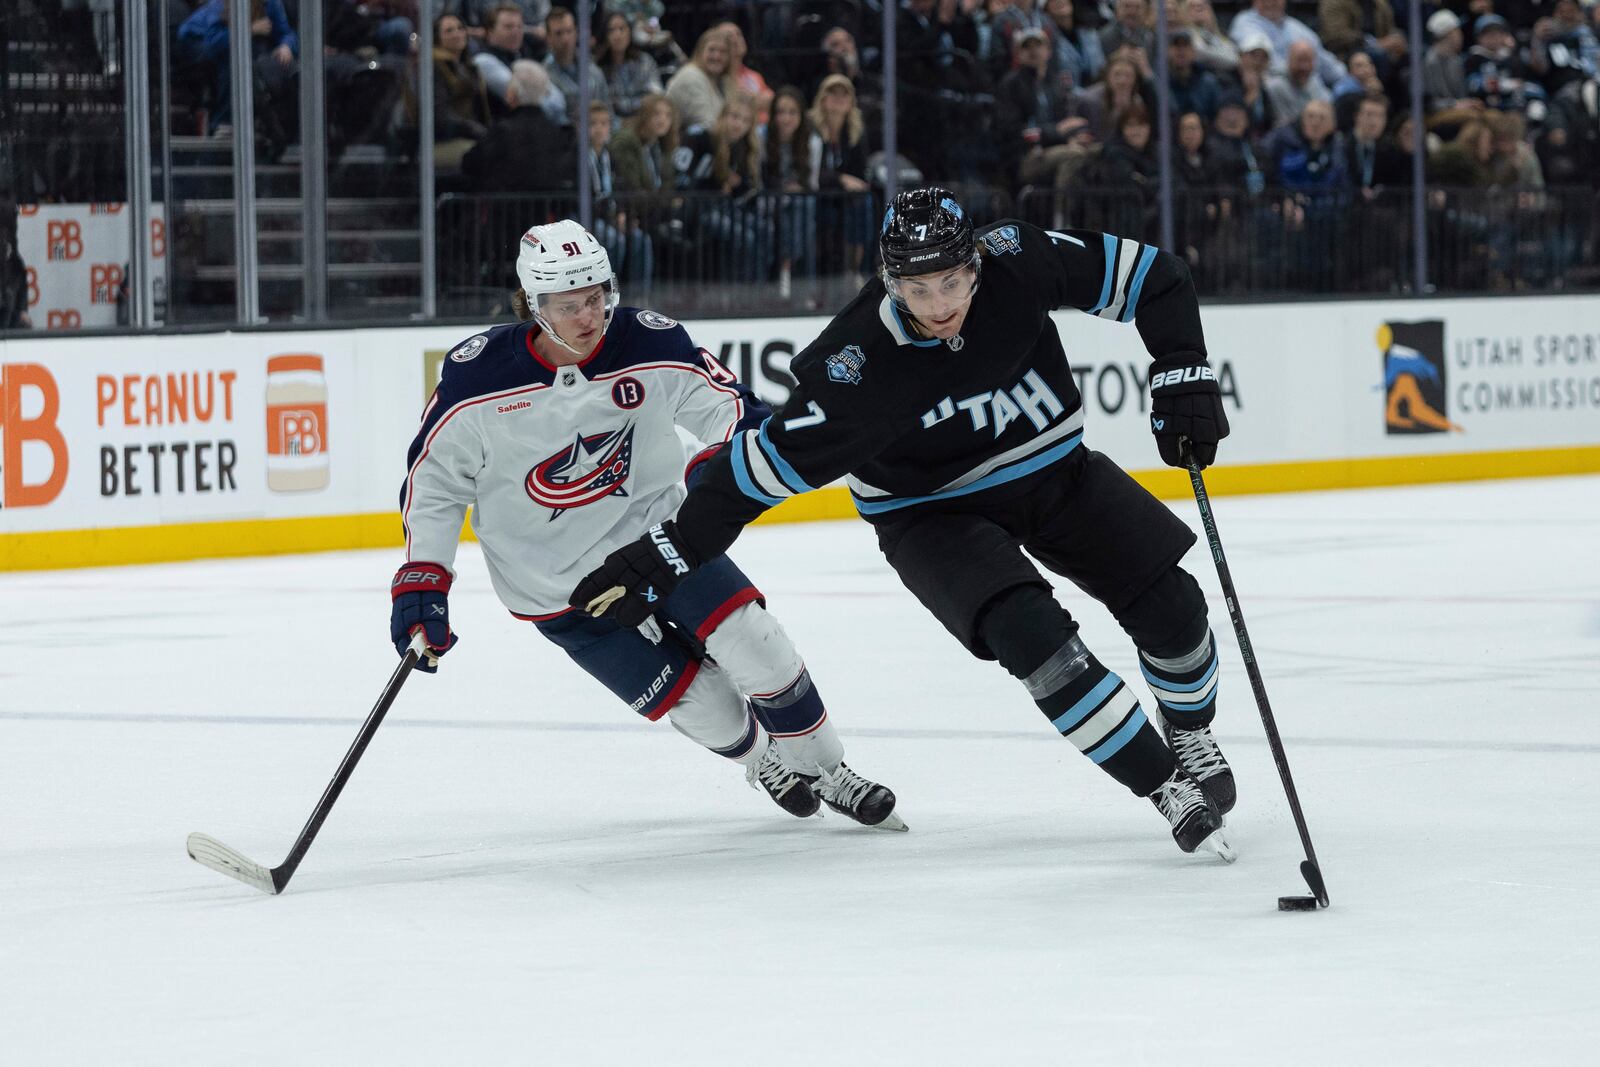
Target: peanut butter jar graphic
[297, 424]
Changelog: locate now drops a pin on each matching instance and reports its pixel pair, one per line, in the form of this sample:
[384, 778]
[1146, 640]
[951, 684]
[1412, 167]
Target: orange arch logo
[20, 381]
[1414, 378]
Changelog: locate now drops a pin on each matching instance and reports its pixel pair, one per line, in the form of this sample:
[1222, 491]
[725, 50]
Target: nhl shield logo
[591, 468]
[845, 367]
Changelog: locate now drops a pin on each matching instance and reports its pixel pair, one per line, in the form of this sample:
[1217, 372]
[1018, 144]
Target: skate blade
[1217, 844]
[892, 822]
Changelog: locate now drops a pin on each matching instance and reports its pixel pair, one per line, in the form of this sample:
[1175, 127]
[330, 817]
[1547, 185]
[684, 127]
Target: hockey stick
[209, 852]
[1309, 870]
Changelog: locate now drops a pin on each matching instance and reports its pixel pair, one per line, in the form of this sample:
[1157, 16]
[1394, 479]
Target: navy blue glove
[421, 602]
[636, 578]
[1185, 401]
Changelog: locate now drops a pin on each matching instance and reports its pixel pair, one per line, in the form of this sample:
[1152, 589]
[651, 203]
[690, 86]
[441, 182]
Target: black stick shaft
[1313, 876]
[282, 873]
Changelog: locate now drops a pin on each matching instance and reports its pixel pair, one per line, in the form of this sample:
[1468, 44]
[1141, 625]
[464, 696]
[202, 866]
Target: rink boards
[139, 449]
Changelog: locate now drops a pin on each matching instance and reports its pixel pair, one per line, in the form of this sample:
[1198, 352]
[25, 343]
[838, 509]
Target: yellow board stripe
[117, 545]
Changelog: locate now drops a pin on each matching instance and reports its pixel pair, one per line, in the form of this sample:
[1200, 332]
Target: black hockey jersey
[916, 422]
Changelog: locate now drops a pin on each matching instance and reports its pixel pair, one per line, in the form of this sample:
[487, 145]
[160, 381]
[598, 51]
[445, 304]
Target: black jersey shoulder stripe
[1127, 263]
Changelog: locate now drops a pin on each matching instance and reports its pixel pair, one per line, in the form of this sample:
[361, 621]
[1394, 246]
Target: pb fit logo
[29, 436]
[64, 241]
[297, 423]
[105, 282]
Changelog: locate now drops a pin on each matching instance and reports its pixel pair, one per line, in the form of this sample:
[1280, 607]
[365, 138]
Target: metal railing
[337, 218]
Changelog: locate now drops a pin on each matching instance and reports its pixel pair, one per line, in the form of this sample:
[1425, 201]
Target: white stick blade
[209, 852]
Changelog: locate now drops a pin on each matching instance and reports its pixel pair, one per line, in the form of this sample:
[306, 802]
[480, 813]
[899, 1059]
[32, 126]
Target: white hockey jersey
[562, 465]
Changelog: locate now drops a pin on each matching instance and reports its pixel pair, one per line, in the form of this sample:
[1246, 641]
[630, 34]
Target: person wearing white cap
[1444, 81]
[1267, 18]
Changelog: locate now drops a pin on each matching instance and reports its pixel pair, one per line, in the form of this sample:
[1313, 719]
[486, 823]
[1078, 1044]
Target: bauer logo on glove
[1186, 402]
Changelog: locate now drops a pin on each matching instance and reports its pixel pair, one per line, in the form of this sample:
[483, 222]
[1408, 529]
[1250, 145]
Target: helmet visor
[950, 286]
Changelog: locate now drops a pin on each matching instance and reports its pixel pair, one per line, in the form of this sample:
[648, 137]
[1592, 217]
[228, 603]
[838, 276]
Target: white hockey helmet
[558, 258]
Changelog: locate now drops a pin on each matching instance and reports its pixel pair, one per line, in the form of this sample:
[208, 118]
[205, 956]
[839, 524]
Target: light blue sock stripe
[1176, 687]
[1185, 705]
[1105, 288]
[1145, 260]
[741, 475]
[1069, 720]
[1115, 743]
[790, 476]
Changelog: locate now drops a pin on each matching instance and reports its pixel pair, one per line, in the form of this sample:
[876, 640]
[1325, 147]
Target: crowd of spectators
[1292, 143]
[746, 133]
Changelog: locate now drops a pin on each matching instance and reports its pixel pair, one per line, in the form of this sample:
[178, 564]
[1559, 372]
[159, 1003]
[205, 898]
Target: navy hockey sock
[1185, 686]
[793, 711]
[746, 742]
[1037, 641]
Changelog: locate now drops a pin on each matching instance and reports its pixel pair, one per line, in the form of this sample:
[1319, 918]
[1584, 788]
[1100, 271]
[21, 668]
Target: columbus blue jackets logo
[1002, 241]
[655, 320]
[845, 367]
[592, 468]
[469, 349]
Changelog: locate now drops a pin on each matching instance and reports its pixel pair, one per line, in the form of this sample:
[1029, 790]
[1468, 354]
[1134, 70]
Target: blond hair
[722, 161]
[854, 125]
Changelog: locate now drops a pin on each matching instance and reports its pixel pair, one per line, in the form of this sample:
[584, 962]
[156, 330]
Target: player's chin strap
[613, 298]
[550, 332]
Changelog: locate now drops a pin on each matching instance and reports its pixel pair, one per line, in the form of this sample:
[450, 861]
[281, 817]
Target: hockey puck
[1297, 903]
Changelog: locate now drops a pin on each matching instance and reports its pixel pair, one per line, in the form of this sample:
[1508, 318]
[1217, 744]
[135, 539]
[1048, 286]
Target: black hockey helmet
[925, 231]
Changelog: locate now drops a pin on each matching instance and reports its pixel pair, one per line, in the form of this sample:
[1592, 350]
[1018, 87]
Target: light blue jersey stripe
[1145, 260]
[1073, 716]
[1176, 687]
[790, 476]
[1114, 744]
[1111, 263]
[999, 477]
[741, 475]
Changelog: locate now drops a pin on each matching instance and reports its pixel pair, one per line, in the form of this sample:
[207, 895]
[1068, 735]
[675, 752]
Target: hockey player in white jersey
[560, 433]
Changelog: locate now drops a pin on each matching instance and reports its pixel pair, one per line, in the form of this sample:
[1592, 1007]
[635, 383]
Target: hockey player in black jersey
[943, 394]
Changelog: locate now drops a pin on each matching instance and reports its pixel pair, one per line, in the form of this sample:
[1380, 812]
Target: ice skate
[868, 803]
[1196, 820]
[1198, 754]
[790, 791]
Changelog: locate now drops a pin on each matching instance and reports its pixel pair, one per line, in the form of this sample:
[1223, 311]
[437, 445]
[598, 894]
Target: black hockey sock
[1088, 704]
[1185, 686]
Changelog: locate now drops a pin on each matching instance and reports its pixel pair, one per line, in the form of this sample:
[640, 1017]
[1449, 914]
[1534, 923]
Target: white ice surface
[521, 871]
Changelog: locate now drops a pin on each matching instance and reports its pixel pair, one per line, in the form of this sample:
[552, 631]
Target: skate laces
[771, 772]
[1177, 796]
[1199, 752]
[843, 787]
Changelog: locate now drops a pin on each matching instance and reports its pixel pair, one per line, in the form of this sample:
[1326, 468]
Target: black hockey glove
[636, 578]
[421, 595]
[1185, 401]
